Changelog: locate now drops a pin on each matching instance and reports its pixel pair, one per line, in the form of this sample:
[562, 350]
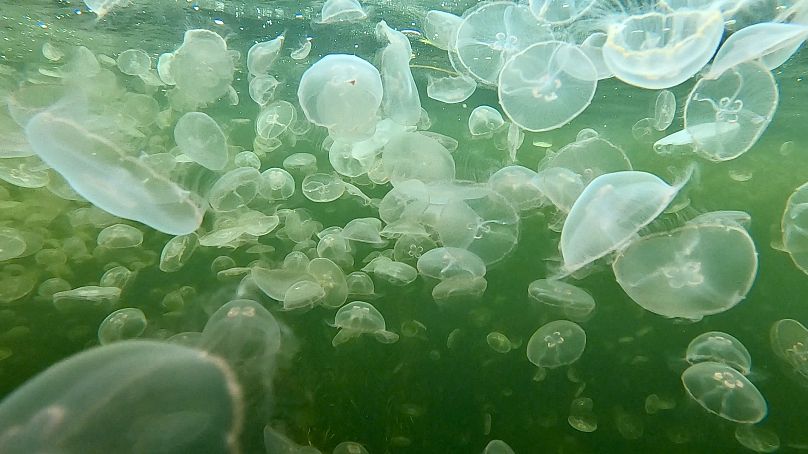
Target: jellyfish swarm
[342, 93]
[130, 396]
[726, 116]
[661, 49]
[554, 78]
[724, 391]
[690, 272]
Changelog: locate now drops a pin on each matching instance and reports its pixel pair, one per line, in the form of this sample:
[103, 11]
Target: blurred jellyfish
[342, 11]
[357, 318]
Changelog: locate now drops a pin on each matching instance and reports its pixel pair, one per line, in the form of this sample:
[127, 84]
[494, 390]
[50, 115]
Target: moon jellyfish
[564, 299]
[277, 184]
[491, 33]
[201, 61]
[342, 93]
[581, 416]
[690, 272]
[349, 447]
[771, 42]
[794, 227]
[520, 186]
[322, 187]
[411, 155]
[588, 157]
[400, 102]
[720, 348]
[556, 344]
[592, 47]
[554, 78]
[559, 12]
[275, 119]
[262, 55]
[12, 243]
[134, 62]
[200, 138]
[109, 174]
[745, 95]
[262, 89]
[497, 447]
[789, 341]
[173, 398]
[459, 289]
[724, 391]
[662, 49]
[342, 11]
[445, 262]
[395, 273]
[758, 439]
[450, 90]
[440, 28]
[127, 323]
[118, 236]
[357, 318]
[609, 213]
[331, 279]
[664, 110]
[484, 120]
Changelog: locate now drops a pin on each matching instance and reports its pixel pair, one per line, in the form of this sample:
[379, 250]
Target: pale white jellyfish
[262, 55]
[661, 49]
[491, 33]
[342, 11]
[664, 110]
[690, 272]
[134, 62]
[275, 119]
[745, 95]
[412, 155]
[400, 101]
[724, 391]
[794, 227]
[789, 341]
[559, 12]
[552, 77]
[440, 28]
[520, 186]
[484, 120]
[556, 344]
[200, 138]
[565, 299]
[592, 47]
[357, 318]
[342, 93]
[449, 89]
[721, 348]
[103, 7]
[771, 42]
[127, 323]
[445, 262]
[609, 212]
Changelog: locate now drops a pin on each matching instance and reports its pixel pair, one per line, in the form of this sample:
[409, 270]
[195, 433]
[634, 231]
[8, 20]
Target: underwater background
[442, 387]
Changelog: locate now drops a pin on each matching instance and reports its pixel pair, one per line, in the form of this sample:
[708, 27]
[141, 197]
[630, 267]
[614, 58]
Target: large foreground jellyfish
[131, 396]
[724, 391]
[661, 49]
[554, 78]
[690, 272]
[609, 212]
[745, 95]
[342, 93]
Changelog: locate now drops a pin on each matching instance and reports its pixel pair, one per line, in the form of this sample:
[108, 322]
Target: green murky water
[442, 389]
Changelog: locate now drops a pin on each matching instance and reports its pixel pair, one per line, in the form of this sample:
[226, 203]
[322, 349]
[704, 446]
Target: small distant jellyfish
[122, 324]
[357, 318]
[556, 344]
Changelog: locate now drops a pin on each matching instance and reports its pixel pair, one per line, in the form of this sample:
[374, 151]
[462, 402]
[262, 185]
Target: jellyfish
[322, 187]
[201, 61]
[275, 119]
[450, 89]
[357, 318]
[235, 189]
[589, 158]
[200, 138]
[724, 391]
[278, 184]
[262, 89]
[102, 7]
[440, 28]
[592, 47]
[609, 212]
[342, 11]
[118, 236]
[794, 231]
[262, 55]
[553, 77]
[721, 348]
[134, 62]
[565, 299]
[581, 417]
[411, 155]
[342, 93]
[330, 277]
[755, 438]
[173, 398]
[490, 34]
[12, 243]
[127, 323]
[661, 49]
[789, 341]
[664, 110]
[745, 95]
[559, 12]
[771, 42]
[556, 344]
[445, 262]
[690, 272]
[497, 447]
[400, 102]
[520, 186]
[484, 120]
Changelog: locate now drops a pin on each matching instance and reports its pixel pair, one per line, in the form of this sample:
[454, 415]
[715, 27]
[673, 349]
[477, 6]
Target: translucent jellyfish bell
[556, 344]
[103, 7]
[342, 93]
[484, 120]
[794, 226]
[411, 155]
[552, 77]
[690, 272]
[721, 348]
[745, 95]
[491, 33]
[497, 447]
[609, 212]
[445, 262]
[662, 49]
[342, 11]
[200, 138]
[565, 299]
[772, 42]
[789, 341]
[357, 318]
[724, 391]
[173, 397]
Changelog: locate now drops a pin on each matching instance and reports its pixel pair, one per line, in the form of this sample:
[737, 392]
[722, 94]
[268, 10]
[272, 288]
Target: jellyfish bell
[342, 93]
[357, 318]
[719, 347]
[559, 12]
[771, 42]
[725, 392]
[553, 77]
[662, 48]
[556, 344]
